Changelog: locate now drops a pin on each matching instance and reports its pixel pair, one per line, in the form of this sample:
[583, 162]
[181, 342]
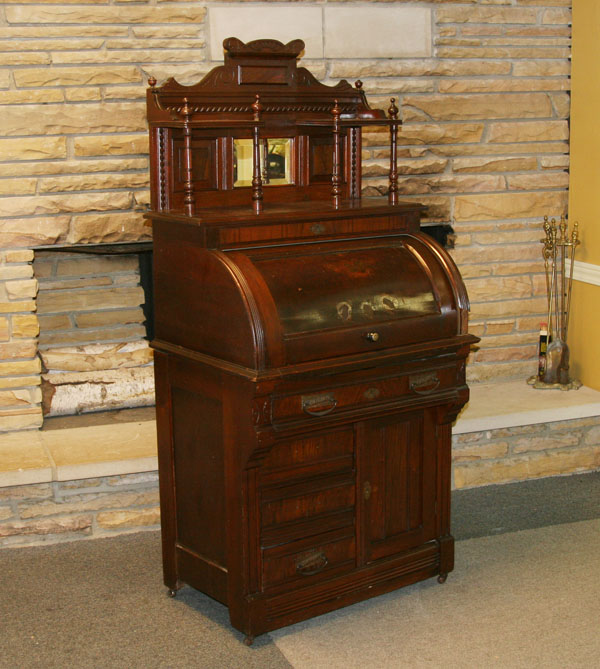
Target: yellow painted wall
[584, 196]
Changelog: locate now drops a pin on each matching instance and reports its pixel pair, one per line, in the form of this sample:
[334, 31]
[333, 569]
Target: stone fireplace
[93, 340]
[484, 101]
[73, 336]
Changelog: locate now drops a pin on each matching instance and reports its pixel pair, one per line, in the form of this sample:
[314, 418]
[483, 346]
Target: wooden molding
[585, 272]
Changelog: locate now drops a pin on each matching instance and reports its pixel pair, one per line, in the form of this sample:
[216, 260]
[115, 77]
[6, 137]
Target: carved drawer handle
[312, 564]
[319, 405]
[424, 383]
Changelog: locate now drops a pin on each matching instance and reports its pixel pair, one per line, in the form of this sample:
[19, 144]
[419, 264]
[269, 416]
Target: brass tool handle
[312, 564]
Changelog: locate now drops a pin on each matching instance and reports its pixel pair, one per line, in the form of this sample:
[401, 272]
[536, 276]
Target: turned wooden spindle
[335, 172]
[393, 114]
[189, 204]
[257, 186]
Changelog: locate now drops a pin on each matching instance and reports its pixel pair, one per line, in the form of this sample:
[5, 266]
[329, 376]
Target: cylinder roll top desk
[310, 347]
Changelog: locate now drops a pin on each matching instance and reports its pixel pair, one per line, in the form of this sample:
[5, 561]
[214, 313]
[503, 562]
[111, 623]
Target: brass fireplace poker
[554, 360]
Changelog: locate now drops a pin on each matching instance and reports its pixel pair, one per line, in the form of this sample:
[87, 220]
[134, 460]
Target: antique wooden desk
[309, 346]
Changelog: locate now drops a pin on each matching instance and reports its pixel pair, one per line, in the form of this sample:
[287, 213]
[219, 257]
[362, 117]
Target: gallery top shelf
[260, 120]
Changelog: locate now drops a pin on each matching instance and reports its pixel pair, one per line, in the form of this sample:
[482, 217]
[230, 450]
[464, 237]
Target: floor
[524, 594]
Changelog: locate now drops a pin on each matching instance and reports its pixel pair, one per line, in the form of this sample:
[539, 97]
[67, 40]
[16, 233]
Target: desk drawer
[365, 394]
[307, 559]
[284, 504]
[313, 230]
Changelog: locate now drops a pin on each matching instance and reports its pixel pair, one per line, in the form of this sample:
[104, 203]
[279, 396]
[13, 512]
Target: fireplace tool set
[559, 254]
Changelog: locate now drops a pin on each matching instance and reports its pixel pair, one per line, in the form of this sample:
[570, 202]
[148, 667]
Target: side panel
[198, 471]
[165, 468]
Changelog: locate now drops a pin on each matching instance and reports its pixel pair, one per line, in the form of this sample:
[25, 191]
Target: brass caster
[442, 578]
[249, 640]
[171, 592]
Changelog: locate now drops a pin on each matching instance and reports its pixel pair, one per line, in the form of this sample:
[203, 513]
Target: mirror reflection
[275, 162]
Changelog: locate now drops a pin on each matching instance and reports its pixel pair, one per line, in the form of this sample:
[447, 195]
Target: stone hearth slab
[113, 443]
[514, 403]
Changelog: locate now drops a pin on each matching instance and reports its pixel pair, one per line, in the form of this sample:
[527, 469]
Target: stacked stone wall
[106, 506]
[483, 94]
[86, 508]
[526, 452]
[20, 394]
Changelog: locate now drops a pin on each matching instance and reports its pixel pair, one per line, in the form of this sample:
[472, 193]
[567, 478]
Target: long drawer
[365, 394]
[311, 230]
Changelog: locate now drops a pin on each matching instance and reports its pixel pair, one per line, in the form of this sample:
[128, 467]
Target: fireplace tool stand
[559, 246]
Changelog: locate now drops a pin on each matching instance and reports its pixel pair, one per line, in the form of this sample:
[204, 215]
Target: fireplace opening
[94, 307]
[443, 233]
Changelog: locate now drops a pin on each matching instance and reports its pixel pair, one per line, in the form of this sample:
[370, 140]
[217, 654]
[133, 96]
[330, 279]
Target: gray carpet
[101, 603]
[523, 599]
[496, 509]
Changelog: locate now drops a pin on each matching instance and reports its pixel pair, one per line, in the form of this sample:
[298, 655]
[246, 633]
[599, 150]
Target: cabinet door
[398, 483]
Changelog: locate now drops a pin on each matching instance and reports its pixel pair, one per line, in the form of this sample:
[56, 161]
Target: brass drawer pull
[312, 564]
[372, 336]
[319, 405]
[422, 384]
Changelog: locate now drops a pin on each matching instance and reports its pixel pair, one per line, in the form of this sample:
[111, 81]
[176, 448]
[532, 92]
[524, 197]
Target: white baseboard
[585, 272]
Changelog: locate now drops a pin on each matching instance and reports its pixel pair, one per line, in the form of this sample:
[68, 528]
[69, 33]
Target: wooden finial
[257, 108]
[151, 82]
[358, 84]
[336, 111]
[393, 109]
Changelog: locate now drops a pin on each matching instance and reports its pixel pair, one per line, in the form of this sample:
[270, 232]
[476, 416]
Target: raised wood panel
[199, 474]
[321, 159]
[204, 164]
[399, 484]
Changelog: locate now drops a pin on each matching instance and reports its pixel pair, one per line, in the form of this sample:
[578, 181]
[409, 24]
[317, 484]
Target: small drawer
[284, 504]
[313, 230]
[366, 394]
[309, 456]
[308, 559]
